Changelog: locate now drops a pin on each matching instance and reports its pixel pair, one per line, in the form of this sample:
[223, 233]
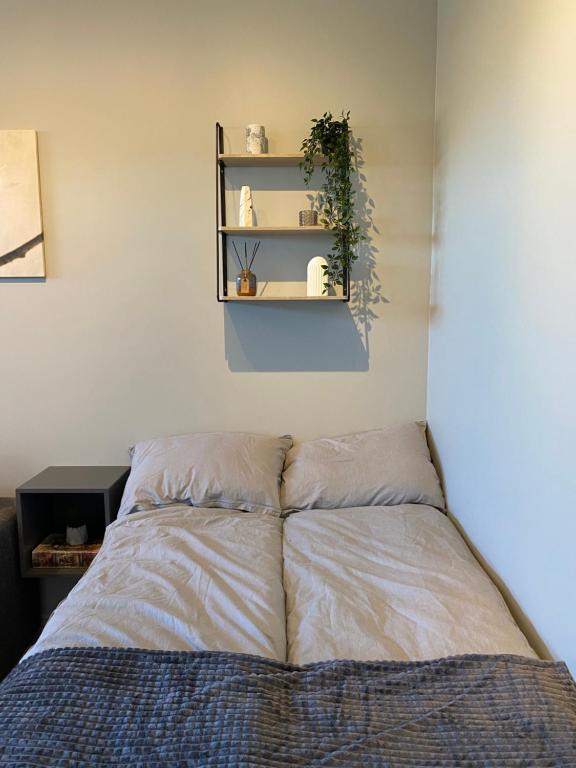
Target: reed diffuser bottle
[246, 282]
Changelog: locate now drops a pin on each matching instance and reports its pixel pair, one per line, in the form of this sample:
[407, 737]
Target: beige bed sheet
[396, 583]
[180, 578]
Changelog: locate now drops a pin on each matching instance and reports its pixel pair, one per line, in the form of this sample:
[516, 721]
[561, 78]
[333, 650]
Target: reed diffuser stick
[254, 252]
[237, 255]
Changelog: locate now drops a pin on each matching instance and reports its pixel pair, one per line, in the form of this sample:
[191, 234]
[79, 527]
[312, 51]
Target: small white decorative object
[255, 139]
[246, 218]
[315, 274]
[76, 536]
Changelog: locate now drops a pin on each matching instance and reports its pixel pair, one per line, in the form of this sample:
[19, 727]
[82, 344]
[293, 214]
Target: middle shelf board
[317, 230]
[258, 161]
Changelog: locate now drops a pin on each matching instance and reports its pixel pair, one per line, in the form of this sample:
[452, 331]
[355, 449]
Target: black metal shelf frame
[221, 237]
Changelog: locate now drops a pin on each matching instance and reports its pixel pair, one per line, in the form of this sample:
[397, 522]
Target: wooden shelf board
[283, 298]
[317, 230]
[42, 572]
[256, 161]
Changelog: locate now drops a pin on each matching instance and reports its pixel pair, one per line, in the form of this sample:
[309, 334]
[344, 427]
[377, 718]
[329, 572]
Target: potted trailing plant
[331, 138]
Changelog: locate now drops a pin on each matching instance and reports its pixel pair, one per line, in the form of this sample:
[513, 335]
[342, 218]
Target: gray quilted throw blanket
[115, 707]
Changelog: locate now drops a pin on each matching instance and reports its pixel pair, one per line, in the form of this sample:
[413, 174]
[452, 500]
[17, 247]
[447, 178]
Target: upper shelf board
[259, 161]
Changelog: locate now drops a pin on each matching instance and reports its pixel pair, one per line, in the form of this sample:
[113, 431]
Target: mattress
[395, 583]
[180, 578]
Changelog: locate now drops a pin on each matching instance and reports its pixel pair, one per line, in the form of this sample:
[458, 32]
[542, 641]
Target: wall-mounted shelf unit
[224, 161]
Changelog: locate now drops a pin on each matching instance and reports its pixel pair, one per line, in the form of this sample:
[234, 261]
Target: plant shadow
[366, 289]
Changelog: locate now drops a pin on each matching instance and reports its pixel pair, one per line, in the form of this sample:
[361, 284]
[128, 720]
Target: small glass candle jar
[308, 218]
[246, 283]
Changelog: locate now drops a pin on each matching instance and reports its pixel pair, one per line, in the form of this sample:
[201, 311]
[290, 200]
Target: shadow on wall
[293, 337]
[302, 336]
[367, 289]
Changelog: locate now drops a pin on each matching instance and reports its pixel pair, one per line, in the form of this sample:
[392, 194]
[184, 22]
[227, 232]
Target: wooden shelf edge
[293, 230]
[243, 159]
[283, 298]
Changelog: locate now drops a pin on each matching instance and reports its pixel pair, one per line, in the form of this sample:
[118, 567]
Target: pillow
[215, 469]
[378, 468]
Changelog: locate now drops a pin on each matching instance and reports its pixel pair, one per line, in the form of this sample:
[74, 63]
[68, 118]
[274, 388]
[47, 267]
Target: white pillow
[230, 470]
[378, 468]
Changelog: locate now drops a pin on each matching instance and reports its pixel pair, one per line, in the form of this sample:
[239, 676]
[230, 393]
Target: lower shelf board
[284, 298]
[316, 229]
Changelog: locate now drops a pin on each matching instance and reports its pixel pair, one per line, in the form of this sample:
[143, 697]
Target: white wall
[502, 361]
[125, 339]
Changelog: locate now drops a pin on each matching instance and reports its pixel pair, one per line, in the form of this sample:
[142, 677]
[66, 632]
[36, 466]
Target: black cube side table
[61, 495]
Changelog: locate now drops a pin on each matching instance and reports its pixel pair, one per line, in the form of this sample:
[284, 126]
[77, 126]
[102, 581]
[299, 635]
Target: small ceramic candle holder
[76, 536]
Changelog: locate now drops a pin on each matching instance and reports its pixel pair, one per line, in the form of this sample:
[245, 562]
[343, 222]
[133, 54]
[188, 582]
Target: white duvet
[395, 582]
[364, 583]
[180, 578]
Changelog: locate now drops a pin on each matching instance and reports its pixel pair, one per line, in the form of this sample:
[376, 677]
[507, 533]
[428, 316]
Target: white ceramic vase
[255, 139]
[315, 275]
[246, 217]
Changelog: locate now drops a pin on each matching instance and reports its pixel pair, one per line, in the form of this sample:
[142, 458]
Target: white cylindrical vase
[315, 276]
[255, 139]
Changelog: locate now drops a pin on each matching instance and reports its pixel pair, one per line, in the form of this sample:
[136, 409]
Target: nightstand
[66, 495]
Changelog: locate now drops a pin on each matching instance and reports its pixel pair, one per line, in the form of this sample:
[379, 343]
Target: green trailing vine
[331, 139]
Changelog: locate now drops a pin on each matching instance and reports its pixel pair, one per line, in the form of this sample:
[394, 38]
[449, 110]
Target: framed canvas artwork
[21, 234]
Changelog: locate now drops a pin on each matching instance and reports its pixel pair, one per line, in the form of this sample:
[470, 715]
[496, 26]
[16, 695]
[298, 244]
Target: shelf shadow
[293, 337]
[271, 179]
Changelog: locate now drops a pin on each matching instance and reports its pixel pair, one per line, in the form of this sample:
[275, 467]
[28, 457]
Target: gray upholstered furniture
[19, 602]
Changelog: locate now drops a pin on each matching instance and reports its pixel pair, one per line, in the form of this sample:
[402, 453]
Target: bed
[259, 603]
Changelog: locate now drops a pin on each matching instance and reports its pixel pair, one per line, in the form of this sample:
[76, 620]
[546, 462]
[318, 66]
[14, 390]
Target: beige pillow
[230, 470]
[378, 468]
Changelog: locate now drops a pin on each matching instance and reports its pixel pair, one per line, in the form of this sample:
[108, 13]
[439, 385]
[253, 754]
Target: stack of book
[54, 552]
